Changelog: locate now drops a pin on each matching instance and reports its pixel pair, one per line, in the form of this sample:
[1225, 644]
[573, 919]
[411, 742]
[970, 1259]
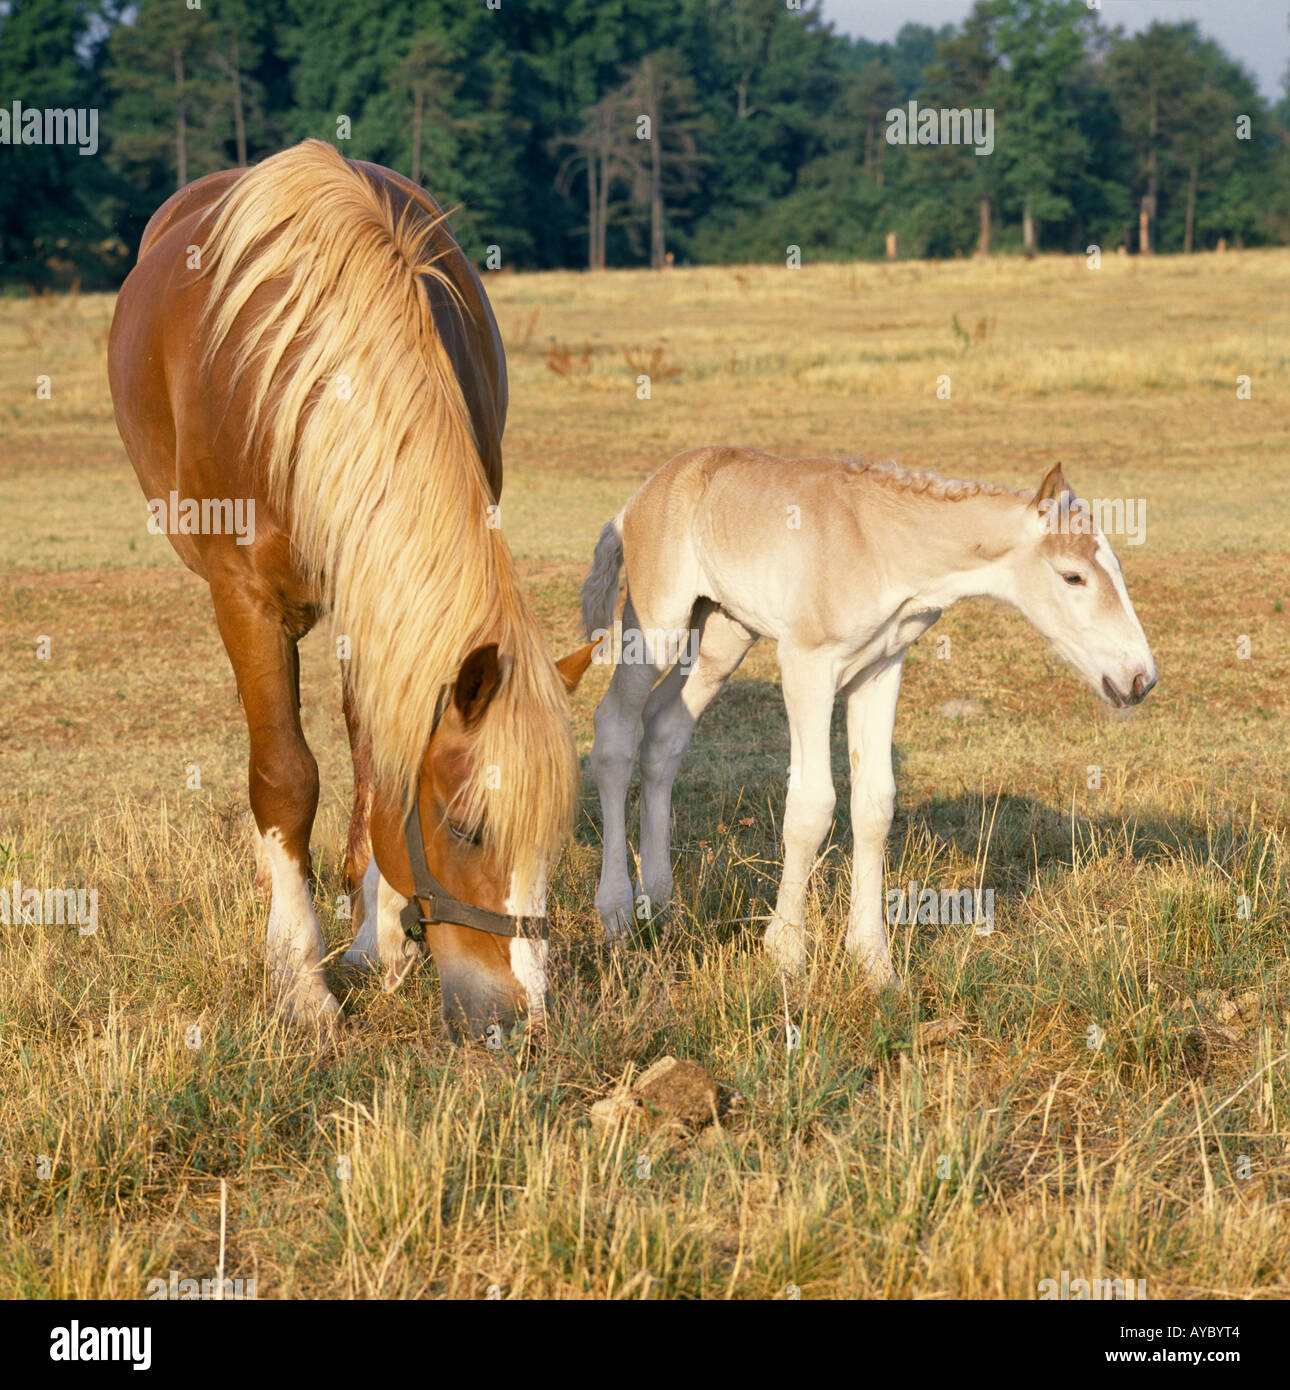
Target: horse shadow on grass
[727, 816]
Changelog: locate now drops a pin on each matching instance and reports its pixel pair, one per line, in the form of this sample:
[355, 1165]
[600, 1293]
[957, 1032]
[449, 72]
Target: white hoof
[361, 957]
[655, 903]
[617, 922]
[308, 1003]
[873, 957]
[878, 973]
[400, 966]
[786, 942]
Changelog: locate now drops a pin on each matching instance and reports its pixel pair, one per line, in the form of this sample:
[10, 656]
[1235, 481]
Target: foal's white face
[1068, 584]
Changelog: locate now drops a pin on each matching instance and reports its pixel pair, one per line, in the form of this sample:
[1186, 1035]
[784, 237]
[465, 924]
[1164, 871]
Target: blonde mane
[930, 484]
[367, 446]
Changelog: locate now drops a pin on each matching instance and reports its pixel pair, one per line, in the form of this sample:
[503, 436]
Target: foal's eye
[1073, 578]
[464, 833]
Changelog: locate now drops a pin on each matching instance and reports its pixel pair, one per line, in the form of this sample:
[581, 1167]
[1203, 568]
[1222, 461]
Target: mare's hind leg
[671, 713]
[283, 784]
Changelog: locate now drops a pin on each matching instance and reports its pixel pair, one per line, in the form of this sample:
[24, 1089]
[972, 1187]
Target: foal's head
[1068, 583]
[488, 980]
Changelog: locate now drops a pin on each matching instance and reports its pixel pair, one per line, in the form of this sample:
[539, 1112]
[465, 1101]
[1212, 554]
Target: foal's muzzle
[1138, 691]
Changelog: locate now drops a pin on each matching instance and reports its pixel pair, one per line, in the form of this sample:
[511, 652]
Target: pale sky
[1256, 32]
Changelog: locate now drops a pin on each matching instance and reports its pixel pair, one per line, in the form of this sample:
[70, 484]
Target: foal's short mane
[367, 446]
[930, 484]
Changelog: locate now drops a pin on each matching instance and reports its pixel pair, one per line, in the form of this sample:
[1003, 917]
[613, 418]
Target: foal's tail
[600, 588]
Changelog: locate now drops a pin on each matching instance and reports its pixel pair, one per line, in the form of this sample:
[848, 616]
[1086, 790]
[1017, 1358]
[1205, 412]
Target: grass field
[1116, 1102]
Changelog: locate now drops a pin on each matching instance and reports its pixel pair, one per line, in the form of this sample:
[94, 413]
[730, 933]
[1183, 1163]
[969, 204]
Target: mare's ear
[573, 667]
[477, 683]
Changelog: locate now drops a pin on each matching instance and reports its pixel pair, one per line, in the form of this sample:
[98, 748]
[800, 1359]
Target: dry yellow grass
[1151, 907]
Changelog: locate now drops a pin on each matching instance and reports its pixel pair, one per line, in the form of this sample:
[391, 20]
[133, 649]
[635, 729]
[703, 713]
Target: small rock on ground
[960, 709]
[680, 1091]
[670, 1093]
[938, 1031]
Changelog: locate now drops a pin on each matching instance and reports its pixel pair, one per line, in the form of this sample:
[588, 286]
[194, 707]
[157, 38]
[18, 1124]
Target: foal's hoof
[311, 1006]
[361, 958]
[618, 925]
[786, 942]
[879, 976]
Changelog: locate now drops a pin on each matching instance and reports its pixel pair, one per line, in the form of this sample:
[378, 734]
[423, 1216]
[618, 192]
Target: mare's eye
[1073, 578]
[464, 833]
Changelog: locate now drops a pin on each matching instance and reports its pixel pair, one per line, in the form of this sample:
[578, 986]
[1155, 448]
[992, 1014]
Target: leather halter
[441, 906]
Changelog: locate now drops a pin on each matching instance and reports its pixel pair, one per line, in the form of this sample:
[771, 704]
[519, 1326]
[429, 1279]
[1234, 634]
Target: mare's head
[488, 841]
[1067, 582]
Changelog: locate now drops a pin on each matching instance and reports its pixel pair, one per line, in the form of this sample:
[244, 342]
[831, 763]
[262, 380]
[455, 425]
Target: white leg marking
[263, 874]
[398, 954]
[529, 957]
[294, 949]
[364, 951]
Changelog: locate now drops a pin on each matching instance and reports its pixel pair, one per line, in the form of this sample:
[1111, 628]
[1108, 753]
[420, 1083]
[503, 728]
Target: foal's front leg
[871, 716]
[809, 688]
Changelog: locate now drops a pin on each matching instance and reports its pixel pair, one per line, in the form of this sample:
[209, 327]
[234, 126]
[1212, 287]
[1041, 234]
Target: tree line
[637, 132]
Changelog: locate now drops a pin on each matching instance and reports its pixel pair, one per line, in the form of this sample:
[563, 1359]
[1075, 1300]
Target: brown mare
[307, 338]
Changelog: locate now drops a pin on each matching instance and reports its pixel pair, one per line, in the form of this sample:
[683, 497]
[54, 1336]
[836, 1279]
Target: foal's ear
[1053, 486]
[573, 667]
[477, 683]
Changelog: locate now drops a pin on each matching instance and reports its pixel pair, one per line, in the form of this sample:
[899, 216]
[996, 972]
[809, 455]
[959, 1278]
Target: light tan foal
[843, 565]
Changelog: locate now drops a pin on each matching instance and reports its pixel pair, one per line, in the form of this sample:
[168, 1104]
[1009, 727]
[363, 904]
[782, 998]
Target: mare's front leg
[283, 785]
[871, 716]
[809, 688]
[379, 938]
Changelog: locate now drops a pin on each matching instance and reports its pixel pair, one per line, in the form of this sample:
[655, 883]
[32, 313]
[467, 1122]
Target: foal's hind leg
[618, 735]
[360, 868]
[284, 795]
[358, 843]
[672, 712]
